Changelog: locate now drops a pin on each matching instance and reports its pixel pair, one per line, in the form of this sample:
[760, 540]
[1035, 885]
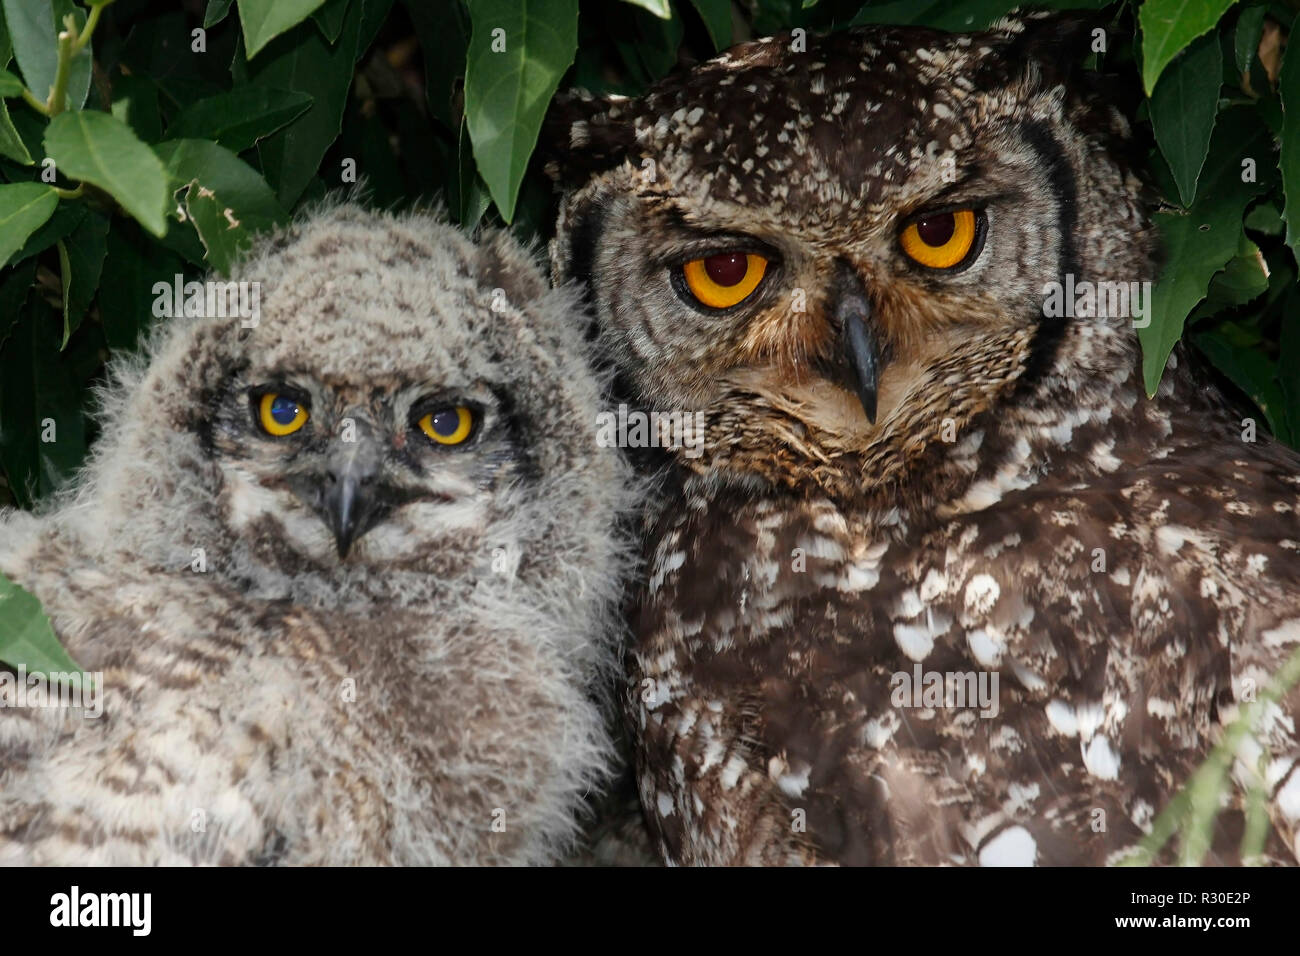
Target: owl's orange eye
[724, 280]
[942, 240]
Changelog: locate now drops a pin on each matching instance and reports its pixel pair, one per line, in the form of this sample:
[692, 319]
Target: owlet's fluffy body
[355, 643]
[838, 249]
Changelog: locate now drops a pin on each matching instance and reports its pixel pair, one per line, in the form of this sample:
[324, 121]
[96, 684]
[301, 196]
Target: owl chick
[347, 570]
[943, 586]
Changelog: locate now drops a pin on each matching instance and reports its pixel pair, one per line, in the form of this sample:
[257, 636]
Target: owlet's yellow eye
[281, 415]
[724, 280]
[941, 241]
[448, 426]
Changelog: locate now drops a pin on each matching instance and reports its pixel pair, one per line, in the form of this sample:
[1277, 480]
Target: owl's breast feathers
[1025, 675]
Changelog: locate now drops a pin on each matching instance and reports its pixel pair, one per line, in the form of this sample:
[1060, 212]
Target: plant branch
[35, 103]
[91, 22]
[59, 91]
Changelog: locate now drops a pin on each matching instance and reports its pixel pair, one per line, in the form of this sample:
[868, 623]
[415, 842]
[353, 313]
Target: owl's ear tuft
[584, 134]
[1055, 43]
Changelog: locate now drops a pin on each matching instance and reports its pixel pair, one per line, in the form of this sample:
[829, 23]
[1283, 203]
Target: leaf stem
[59, 91]
[91, 22]
[35, 103]
[70, 193]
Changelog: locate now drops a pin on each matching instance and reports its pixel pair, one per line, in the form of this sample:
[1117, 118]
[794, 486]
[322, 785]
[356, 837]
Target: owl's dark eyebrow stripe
[1061, 182]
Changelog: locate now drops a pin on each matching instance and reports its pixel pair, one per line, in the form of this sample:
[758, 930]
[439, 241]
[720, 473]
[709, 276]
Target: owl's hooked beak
[348, 494]
[351, 507]
[853, 311]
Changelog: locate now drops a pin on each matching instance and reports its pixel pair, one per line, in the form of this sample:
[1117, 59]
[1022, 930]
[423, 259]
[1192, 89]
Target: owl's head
[837, 247]
[400, 399]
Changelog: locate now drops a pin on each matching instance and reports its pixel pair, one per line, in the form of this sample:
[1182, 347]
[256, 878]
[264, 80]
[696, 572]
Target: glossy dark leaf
[225, 200]
[1168, 26]
[1199, 242]
[43, 441]
[100, 149]
[82, 261]
[24, 207]
[303, 61]
[264, 20]
[238, 119]
[517, 53]
[1183, 108]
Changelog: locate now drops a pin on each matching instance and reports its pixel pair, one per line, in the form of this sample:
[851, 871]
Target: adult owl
[914, 478]
[347, 567]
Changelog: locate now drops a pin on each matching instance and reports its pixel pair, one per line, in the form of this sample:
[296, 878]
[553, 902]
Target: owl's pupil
[937, 230]
[727, 269]
[445, 422]
[284, 411]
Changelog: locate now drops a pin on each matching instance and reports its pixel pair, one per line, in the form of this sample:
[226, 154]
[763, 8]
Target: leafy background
[171, 122]
[140, 140]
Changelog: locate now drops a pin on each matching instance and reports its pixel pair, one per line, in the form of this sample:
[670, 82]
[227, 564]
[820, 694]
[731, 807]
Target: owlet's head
[402, 399]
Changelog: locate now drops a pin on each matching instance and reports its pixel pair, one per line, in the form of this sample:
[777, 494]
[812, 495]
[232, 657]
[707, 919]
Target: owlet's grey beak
[860, 347]
[351, 506]
[347, 494]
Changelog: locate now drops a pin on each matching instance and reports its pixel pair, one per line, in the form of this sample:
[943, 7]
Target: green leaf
[1248, 368]
[443, 35]
[375, 12]
[329, 18]
[10, 85]
[240, 118]
[23, 208]
[1170, 25]
[304, 62]
[1198, 242]
[135, 103]
[34, 25]
[472, 194]
[66, 218]
[216, 12]
[100, 149]
[1243, 279]
[264, 20]
[11, 144]
[6, 46]
[1183, 108]
[716, 15]
[15, 285]
[660, 8]
[1288, 85]
[136, 262]
[225, 198]
[43, 441]
[1245, 39]
[81, 262]
[26, 638]
[508, 89]
[1265, 218]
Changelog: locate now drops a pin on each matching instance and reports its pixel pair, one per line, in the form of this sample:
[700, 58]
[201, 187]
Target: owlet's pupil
[937, 230]
[284, 411]
[445, 422]
[727, 269]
